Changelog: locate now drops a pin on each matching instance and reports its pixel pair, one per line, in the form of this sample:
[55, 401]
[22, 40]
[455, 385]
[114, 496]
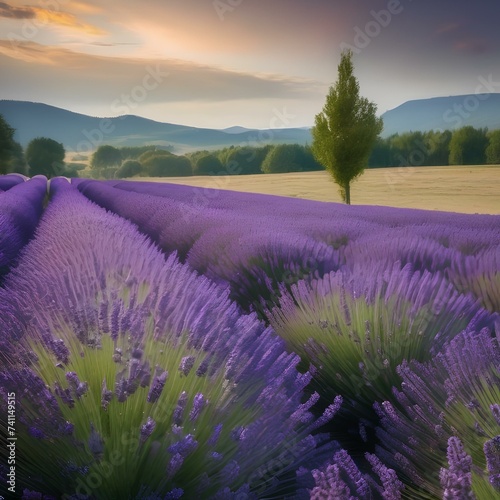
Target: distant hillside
[78, 132]
[84, 133]
[446, 113]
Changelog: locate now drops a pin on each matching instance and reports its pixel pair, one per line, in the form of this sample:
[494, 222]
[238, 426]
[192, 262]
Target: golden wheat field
[466, 189]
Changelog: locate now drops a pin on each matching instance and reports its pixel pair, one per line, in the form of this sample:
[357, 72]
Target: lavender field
[163, 341]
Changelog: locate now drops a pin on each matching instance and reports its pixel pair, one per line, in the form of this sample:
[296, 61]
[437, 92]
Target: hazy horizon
[225, 63]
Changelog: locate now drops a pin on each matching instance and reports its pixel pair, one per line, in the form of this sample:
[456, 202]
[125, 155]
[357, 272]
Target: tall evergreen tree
[345, 131]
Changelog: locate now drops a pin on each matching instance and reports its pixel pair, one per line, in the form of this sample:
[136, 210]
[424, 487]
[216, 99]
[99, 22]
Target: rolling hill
[82, 133]
[445, 113]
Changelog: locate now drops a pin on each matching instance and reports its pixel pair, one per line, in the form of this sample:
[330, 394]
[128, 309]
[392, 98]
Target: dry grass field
[466, 189]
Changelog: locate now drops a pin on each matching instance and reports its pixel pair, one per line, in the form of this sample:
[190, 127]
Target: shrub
[246, 160]
[208, 165]
[288, 158]
[106, 156]
[168, 165]
[129, 168]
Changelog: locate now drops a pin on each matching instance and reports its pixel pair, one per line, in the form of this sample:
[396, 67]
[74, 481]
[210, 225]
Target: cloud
[448, 28]
[472, 46]
[461, 38]
[85, 77]
[112, 44]
[84, 7]
[11, 12]
[42, 16]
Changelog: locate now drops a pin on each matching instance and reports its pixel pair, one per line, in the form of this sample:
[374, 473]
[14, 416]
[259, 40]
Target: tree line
[150, 161]
[463, 146]
[45, 156]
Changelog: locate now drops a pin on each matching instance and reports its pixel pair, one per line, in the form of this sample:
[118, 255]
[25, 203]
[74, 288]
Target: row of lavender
[21, 205]
[131, 366]
[371, 298]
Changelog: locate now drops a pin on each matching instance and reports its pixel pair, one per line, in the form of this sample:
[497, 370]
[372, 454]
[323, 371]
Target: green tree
[106, 156]
[45, 157]
[493, 149]
[381, 153]
[153, 153]
[11, 152]
[208, 164]
[17, 162]
[468, 146]
[134, 152]
[168, 166]
[129, 168]
[345, 131]
[244, 160]
[308, 162]
[438, 143]
[289, 158]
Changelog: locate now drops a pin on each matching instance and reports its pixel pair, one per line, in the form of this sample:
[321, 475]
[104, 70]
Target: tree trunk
[347, 190]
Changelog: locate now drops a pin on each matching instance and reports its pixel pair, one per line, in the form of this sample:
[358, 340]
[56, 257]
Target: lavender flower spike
[492, 454]
[147, 429]
[157, 385]
[457, 479]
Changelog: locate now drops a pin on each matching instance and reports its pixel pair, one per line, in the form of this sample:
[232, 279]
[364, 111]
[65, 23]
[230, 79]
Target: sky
[252, 63]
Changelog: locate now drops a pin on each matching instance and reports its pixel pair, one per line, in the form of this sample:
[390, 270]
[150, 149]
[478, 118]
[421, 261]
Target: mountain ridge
[82, 133]
[443, 113]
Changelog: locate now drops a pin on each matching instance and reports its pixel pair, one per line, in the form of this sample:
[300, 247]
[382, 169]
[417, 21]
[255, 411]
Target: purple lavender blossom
[358, 324]
[212, 441]
[479, 274]
[184, 447]
[178, 416]
[20, 211]
[329, 484]
[492, 454]
[392, 487]
[157, 384]
[106, 395]
[95, 442]
[147, 429]
[187, 362]
[456, 481]
[495, 410]
[442, 404]
[174, 465]
[199, 403]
